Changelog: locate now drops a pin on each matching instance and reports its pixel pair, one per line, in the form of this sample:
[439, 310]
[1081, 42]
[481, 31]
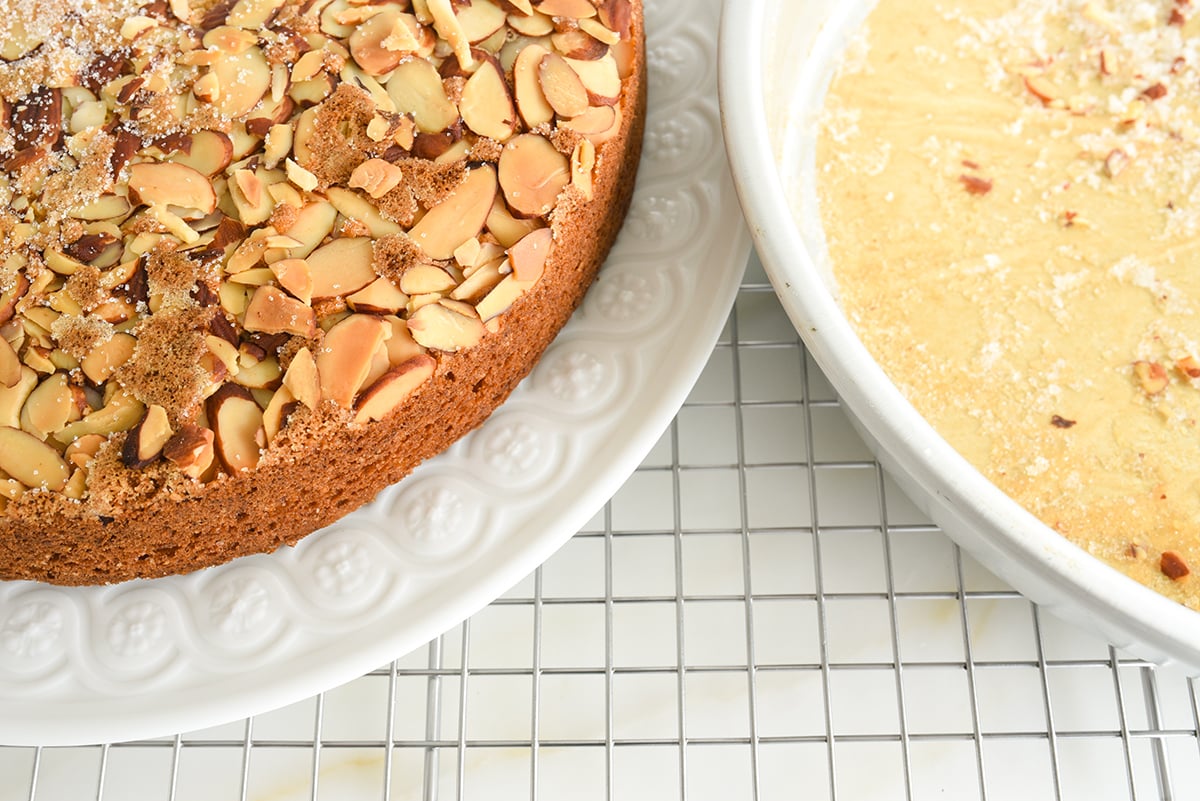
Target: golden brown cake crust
[321, 467]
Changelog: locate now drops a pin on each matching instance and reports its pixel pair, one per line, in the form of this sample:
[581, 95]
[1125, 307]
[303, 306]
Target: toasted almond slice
[446, 325]
[508, 229]
[583, 165]
[422, 279]
[120, 414]
[169, 183]
[49, 407]
[301, 379]
[252, 14]
[192, 450]
[400, 345]
[277, 412]
[416, 88]
[378, 297]
[354, 206]
[598, 124]
[105, 207]
[245, 78]
[10, 365]
[236, 421]
[313, 223]
[105, 358]
[601, 77]
[532, 173]
[485, 105]
[345, 357]
[263, 374]
[295, 276]
[19, 40]
[573, 9]
[208, 153]
[578, 43]
[445, 21]
[145, 442]
[563, 88]
[12, 399]
[342, 267]
[480, 19]
[533, 25]
[367, 42]
[500, 299]
[460, 216]
[81, 452]
[271, 311]
[31, 461]
[527, 86]
[528, 257]
[393, 388]
[376, 177]
[479, 282]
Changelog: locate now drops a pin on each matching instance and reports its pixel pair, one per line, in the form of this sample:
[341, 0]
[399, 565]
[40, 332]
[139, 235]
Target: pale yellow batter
[1011, 196]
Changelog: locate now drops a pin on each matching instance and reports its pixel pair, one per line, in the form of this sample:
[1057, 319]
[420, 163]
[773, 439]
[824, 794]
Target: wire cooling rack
[758, 614]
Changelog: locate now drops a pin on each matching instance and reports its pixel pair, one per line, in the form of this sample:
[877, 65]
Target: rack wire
[758, 613]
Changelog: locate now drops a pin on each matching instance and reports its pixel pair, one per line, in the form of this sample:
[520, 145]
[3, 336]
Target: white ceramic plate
[155, 657]
[776, 59]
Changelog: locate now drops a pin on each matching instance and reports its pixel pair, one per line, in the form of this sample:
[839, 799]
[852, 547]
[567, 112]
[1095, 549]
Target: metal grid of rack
[758, 614]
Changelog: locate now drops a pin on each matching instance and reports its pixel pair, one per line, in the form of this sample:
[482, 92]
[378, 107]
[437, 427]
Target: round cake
[260, 258]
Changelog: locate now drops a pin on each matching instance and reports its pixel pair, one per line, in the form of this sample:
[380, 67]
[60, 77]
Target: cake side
[323, 462]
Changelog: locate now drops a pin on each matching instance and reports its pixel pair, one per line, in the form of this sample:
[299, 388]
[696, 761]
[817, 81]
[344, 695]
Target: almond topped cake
[1010, 191]
[260, 258]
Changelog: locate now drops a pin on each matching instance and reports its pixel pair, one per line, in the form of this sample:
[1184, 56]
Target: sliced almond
[501, 299]
[313, 223]
[393, 388]
[31, 461]
[400, 345]
[10, 365]
[49, 407]
[295, 276]
[145, 442]
[192, 450]
[120, 413]
[271, 311]
[171, 183]
[245, 78]
[367, 42]
[105, 358]
[532, 173]
[342, 267]
[345, 357]
[253, 14]
[105, 207]
[460, 216]
[602, 78]
[422, 279]
[354, 206]
[446, 325]
[598, 124]
[376, 177]
[378, 297]
[12, 399]
[528, 257]
[236, 420]
[416, 88]
[563, 88]
[527, 86]
[485, 105]
[301, 379]
[81, 452]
